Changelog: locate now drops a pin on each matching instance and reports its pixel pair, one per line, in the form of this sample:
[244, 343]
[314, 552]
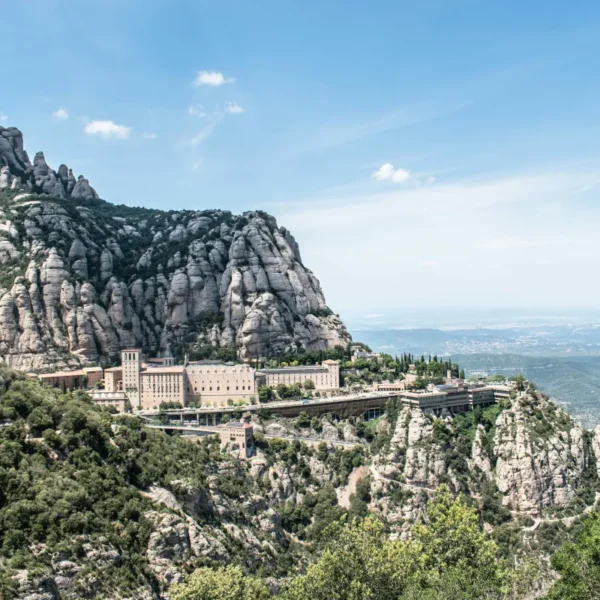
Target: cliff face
[82, 278]
[529, 459]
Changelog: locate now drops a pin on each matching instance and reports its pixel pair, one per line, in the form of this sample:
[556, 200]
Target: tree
[40, 419]
[309, 384]
[420, 383]
[282, 390]
[462, 374]
[227, 583]
[359, 501]
[316, 424]
[448, 558]
[265, 393]
[360, 563]
[452, 539]
[303, 420]
[578, 564]
[520, 382]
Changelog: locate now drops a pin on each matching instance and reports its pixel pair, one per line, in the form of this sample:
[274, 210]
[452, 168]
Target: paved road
[314, 441]
[273, 405]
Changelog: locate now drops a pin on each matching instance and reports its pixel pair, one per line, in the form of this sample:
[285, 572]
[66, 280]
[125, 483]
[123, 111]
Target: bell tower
[131, 359]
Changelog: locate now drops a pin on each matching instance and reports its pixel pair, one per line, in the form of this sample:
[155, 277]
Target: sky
[433, 154]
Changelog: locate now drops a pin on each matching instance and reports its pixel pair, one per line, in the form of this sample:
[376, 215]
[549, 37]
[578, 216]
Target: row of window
[210, 388]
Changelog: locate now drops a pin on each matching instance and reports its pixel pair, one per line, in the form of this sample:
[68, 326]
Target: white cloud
[61, 114]
[213, 78]
[378, 316]
[149, 135]
[197, 110]
[428, 264]
[387, 173]
[233, 108]
[498, 240]
[107, 129]
[3, 118]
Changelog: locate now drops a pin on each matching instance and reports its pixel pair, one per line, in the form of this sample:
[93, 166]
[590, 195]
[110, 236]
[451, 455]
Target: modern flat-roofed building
[325, 376]
[390, 386]
[161, 384]
[216, 383]
[237, 434]
[457, 397]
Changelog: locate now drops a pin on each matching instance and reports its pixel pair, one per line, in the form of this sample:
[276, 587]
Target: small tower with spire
[168, 358]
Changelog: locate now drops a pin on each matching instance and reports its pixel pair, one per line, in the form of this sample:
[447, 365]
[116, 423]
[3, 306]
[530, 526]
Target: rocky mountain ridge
[530, 470]
[82, 278]
[18, 173]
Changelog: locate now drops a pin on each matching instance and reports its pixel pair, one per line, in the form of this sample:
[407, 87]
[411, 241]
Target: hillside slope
[82, 278]
[97, 506]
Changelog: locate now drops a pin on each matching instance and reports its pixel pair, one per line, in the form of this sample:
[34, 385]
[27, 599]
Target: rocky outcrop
[80, 281]
[413, 453]
[540, 455]
[17, 171]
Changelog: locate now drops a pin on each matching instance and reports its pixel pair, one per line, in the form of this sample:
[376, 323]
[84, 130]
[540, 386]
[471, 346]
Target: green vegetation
[431, 369]
[70, 474]
[308, 357]
[289, 391]
[448, 558]
[228, 583]
[578, 564]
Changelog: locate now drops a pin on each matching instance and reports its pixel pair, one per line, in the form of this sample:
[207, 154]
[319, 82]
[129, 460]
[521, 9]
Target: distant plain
[559, 351]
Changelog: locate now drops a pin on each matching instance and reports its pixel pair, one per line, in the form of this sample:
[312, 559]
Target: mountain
[94, 505]
[82, 278]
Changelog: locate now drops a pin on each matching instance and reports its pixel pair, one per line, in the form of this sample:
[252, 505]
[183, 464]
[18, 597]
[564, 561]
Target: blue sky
[432, 154]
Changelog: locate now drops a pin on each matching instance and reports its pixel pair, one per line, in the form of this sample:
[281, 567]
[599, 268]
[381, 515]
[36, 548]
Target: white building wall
[215, 384]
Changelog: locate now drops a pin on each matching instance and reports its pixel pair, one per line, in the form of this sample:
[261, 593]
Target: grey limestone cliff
[81, 278]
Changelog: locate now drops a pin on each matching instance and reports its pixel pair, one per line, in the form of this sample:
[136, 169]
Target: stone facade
[94, 375]
[161, 384]
[116, 400]
[325, 377]
[149, 384]
[64, 380]
[215, 384]
[78, 379]
[113, 379]
[238, 435]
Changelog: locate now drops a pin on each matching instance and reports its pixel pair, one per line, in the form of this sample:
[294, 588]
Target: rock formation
[81, 280]
[17, 171]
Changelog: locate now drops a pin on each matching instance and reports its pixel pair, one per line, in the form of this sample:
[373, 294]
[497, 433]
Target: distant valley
[562, 359]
